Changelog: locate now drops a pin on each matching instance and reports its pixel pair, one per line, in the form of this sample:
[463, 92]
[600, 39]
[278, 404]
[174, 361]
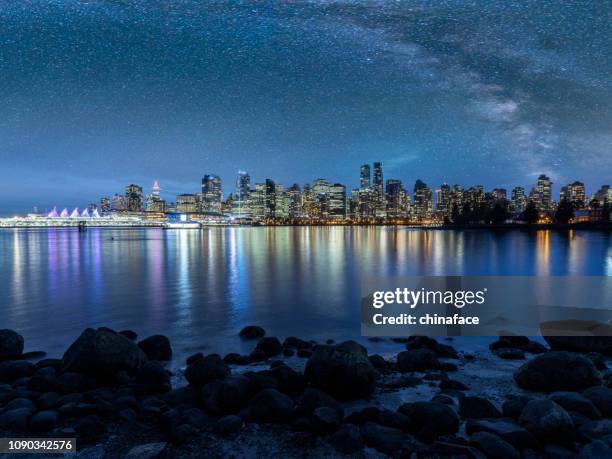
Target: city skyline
[100, 94]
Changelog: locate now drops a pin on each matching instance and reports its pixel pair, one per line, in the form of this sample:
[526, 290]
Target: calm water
[201, 287]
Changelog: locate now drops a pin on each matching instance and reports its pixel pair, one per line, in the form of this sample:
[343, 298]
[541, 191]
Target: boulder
[228, 425]
[477, 408]
[312, 399]
[15, 420]
[344, 371]
[425, 342]
[548, 422]
[384, 439]
[429, 420]
[102, 353]
[513, 405]
[269, 405]
[43, 421]
[204, 370]
[226, 396]
[90, 427]
[236, 359]
[583, 344]
[192, 358]
[577, 403]
[20, 403]
[269, 346]
[493, 446]
[70, 382]
[182, 396]
[11, 344]
[514, 434]
[153, 377]
[347, 439]
[43, 380]
[252, 332]
[417, 360]
[296, 343]
[290, 382]
[15, 369]
[325, 420]
[156, 347]
[601, 397]
[596, 450]
[508, 353]
[557, 371]
[146, 451]
[595, 430]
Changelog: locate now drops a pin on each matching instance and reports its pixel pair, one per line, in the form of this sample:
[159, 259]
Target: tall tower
[155, 191]
[364, 177]
[377, 188]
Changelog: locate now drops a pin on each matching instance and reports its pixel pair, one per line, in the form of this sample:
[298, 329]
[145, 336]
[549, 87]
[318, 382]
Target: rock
[548, 422]
[445, 449]
[260, 380]
[205, 370]
[156, 347]
[477, 408]
[252, 332]
[512, 433]
[451, 384]
[441, 398]
[557, 371]
[598, 360]
[425, 342]
[513, 405]
[42, 380]
[269, 405]
[102, 353]
[290, 382]
[20, 403]
[325, 420]
[270, 346]
[15, 369]
[236, 359]
[48, 400]
[90, 427]
[393, 419]
[596, 430]
[129, 334]
[379, 362]
[181, 433]
[11, 344]
[55, 363]
[153, 377]
[347, 439]
[70, 382]
[15, 420]
[146, 451]
[288, 352]
[195, 357]
[601, 397]
[344, 371]
[228, 425]
[596, 450]
[494, 447]
[312, 399]
[508, 353]
[296, 343]
[584, 344]
[384, 439]
[43, 421]
[304, 353]
[429, 420]
[220, 397]
[182, 396]
[572, 401]
[558, 452]
[417, 360]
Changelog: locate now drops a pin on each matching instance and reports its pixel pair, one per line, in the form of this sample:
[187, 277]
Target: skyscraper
[543, 194]
[243, 188]
[574, 193]
[105, 205]
[443, 200]
[270, 199]
[396, 197]
[133, 198]
[364, 177]
[212, 196]
[337, 201]
[423, 201]
[377, 190]
[518, 201]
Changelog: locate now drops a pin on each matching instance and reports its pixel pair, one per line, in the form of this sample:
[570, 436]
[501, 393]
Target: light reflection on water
[201, 287]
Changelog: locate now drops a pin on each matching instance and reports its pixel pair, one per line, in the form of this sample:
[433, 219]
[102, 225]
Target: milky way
[98, 94]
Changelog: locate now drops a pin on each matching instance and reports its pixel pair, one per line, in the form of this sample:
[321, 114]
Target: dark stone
[128, 415]
[367, 414]
[90, 427]
[601, 397]
[43, 380]
[387, 440]
[15, 420]
[452, 385]
[557, 371]
[32, 355]
[598, 360]
[20, 403]
[347, 439]
[182, 396]
[129, 334]
[146, 451]
[15, 369]
[304, 353]
[313, 398]
[447, 449]
[153, 377]
[195, 417]
[494, 447]
[194, 358]
[205, 370]
[269, 405]
[43, 421]
[69, 382]
[429, 420]
[344, 371]
[393, 419]
[417, 360]
[228, 425]
[11, 344]
[513, 405]
[288, 352]
[127, 401]
[55, 363]
[441, 398]
[548, 422]
[290, 382]
[296, 343]
[252, 332]
[181, 433]
[325, 420]
[260, 380]
[220, 397]
[257, 355]
[102, 353]
[236, 359]
[596, 450]
[477, 408]
[596, 430]
[508, 353]
[514, 434]
[425, 342]
[48, 400]
[156, 347]
[572, 401]
[379, 362]
[270, 346]
[558, 452]
[584, 344]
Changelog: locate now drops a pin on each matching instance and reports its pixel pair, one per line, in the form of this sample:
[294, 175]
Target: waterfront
[201, 287]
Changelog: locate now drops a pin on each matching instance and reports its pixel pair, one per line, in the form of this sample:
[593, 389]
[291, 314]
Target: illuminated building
[212, 195]
[518, 201]
[187, 203]
[423, 201]
[133, 198]
[364, 177]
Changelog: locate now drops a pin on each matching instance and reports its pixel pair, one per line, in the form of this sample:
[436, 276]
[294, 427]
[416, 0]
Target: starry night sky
[98, 94]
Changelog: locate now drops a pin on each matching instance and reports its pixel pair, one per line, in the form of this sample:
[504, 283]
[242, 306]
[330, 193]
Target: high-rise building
[499, 194]
[543, 194]
[603, 195]
[270, 199]
[396, 198]
[133, 198]
[423, 201]
[518, 201]
[187, 203]
[257, 201]
[575, 194]
[212, 195]
[364, 177]
[443, 200]
[154, 202]
[105, 205]
[281, 209]
[243, 188]
[377, 190]
[295, 201]
[337, 201]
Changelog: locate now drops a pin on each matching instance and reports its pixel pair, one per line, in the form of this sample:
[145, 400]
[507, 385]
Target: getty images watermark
[487, 306]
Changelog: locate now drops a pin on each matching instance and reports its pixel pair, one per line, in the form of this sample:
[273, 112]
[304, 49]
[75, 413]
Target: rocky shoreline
[297, 398]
